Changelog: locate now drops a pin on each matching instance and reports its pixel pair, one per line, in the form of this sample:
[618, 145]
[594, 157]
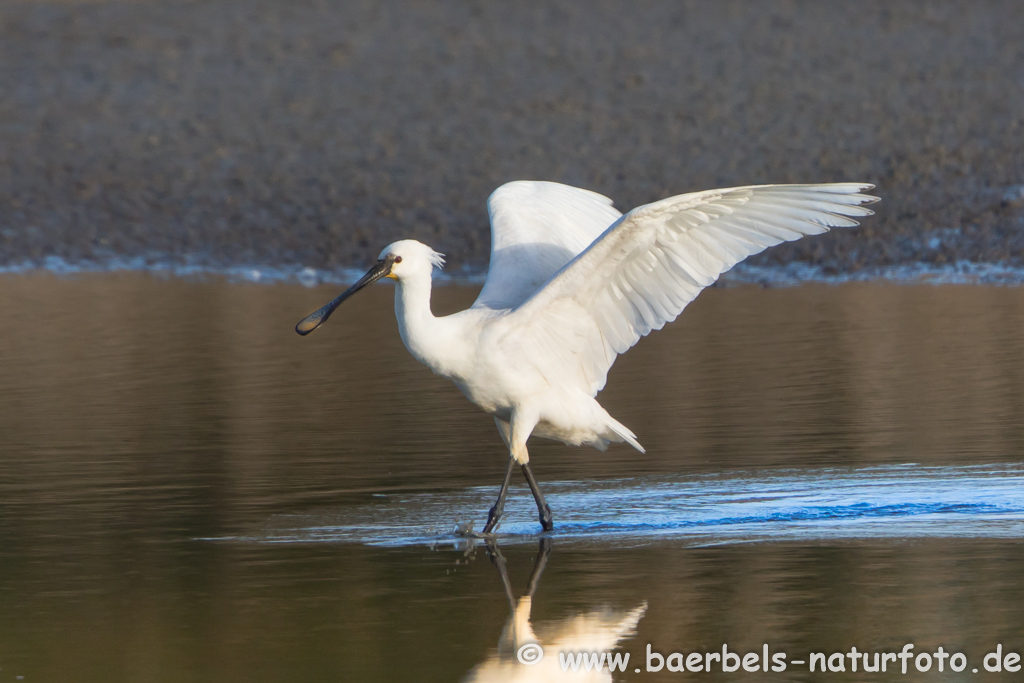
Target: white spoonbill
[572, 284]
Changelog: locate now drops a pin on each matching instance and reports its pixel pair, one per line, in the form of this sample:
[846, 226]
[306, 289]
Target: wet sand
[314, 133]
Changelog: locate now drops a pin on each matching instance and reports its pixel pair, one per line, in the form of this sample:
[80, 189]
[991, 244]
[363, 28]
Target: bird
[572, 283]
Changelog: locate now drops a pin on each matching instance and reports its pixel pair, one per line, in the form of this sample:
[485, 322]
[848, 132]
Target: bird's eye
[398, 259]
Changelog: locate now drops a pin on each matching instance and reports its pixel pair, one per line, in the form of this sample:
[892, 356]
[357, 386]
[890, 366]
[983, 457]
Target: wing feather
[536, 228]
[652, 262]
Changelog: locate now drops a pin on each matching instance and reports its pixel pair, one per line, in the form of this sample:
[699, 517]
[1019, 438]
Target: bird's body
[572, 284]
[472, 348]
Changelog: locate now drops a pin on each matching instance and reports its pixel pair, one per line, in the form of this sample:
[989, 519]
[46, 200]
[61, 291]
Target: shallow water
[189, 491]
[887, 502]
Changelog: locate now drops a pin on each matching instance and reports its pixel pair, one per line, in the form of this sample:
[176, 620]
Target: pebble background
[314, 133]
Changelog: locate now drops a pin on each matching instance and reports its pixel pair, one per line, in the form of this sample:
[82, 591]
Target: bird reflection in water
[600, 630]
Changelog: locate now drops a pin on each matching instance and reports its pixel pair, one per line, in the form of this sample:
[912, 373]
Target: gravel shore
[314, 133]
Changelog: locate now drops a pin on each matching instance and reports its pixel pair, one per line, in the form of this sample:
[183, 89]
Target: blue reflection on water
[888, 502]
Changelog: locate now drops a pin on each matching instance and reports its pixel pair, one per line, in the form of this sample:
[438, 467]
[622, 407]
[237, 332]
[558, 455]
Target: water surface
[191, 492]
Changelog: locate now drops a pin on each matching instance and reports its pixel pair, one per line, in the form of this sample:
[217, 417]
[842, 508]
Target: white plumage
[573, 283]
[598, 631]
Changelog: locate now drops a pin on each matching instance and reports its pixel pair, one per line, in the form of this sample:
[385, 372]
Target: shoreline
[788, 275]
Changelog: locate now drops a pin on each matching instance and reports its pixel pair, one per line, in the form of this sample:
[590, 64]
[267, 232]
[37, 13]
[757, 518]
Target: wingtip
[869, 199]
[859, 190]
[867, 187]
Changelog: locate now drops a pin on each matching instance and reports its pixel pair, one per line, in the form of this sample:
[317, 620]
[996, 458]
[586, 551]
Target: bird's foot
[546, 518]
[493, 519]
[467, 531]
[475, 535]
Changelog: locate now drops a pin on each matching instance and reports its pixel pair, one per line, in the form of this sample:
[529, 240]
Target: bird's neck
[422, 333]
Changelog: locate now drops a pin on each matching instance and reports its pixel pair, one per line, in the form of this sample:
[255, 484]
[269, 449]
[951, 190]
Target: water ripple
[890, 502]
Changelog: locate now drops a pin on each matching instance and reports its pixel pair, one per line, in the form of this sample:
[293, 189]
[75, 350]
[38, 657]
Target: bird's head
[410, 258]
[402, 260]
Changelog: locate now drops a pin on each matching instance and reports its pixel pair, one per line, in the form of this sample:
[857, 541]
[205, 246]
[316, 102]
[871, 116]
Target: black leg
[499, 506]
[543, 553]
[542, 505]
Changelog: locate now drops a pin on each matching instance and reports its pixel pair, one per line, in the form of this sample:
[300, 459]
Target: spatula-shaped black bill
[318, 318]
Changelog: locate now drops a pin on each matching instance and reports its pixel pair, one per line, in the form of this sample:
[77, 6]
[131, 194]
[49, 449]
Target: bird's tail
[624, 433]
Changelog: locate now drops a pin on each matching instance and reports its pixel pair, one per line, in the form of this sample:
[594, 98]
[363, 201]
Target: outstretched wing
[536, 228]
[652, 262]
